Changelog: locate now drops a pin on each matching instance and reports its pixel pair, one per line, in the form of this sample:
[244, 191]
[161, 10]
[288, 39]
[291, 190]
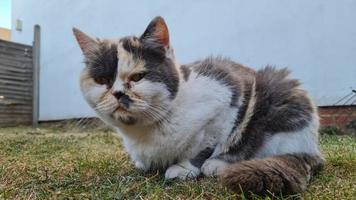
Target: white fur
[183, 170]
[95, 93]
[91, 91]
[303, 141]
[118, 85]
[213, 167]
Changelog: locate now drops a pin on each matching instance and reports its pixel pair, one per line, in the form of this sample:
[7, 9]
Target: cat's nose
[122, 98]
[118, 94]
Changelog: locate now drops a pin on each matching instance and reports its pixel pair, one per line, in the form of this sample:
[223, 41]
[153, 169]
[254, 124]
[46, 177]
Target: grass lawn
[57, 163]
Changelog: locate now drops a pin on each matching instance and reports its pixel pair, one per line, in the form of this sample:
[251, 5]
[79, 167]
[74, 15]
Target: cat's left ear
[156, 34]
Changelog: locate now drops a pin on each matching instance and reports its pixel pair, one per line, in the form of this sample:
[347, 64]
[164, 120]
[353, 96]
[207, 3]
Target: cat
[256, 130]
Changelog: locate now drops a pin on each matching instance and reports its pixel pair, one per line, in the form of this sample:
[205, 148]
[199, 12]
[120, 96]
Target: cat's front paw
[182, 171]
[213, 167]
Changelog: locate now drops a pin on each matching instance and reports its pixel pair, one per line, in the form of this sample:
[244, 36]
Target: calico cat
[256, 130]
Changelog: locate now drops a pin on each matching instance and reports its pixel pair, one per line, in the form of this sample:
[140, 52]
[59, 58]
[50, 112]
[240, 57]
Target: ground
[53, 162]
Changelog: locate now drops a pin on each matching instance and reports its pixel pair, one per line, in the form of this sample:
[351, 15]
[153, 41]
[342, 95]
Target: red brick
[337, 115]
[327, 121]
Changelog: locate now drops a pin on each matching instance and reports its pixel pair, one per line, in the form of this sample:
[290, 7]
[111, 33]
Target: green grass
[55, 163]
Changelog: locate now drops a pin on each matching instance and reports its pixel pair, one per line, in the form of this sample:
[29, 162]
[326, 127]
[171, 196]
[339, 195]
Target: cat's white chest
[200, 117]
[162, 149]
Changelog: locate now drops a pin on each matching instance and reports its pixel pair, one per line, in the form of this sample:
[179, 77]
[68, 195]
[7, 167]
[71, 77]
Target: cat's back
[274, 90]
[222, 69]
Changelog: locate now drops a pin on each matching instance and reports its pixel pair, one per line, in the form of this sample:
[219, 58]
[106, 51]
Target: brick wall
[337, 115]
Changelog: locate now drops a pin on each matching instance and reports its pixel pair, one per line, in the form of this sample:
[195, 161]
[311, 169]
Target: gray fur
[159, 68]
[199, 159]
[185, 71]
[102, 61]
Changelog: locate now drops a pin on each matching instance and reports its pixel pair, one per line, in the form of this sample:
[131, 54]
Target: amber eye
[137, 77]
[103, 81]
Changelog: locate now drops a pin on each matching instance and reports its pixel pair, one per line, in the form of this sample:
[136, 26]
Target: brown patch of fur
[284, 174]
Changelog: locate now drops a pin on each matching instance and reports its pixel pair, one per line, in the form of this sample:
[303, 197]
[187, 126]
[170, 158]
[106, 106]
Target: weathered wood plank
[6, 91]
[14, 64]
[5, 48]
[14, 44]
[16, 88]
[10, 97]
[15, 58]
[16, 107]
[15, 78]
[15, 74]
[14, 102]
[25, 112]
[15, 117]
[14, 121]
[11, 69]
[15, 114]
[19, 83]
[16, 47]
[25, 75]
[16, 53]
[24, 109]
[23, 51]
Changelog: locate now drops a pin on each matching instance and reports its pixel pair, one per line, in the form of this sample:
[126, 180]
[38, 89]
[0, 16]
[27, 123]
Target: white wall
[316, 39]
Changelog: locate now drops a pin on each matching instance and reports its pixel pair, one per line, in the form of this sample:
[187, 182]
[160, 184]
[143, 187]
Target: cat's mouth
[121, 109]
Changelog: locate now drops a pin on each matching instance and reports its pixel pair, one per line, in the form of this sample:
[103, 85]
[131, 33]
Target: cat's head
[130, 80]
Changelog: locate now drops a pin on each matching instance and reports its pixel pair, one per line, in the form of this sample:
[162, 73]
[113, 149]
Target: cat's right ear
[86, 43]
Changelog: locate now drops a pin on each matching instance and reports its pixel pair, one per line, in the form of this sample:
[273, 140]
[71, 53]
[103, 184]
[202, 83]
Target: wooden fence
[19, 82]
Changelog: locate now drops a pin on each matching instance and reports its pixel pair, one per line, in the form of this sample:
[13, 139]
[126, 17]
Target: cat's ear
[156, 34]
[86, 43]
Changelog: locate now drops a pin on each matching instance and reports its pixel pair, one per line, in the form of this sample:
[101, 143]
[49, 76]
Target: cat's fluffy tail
[285, 174]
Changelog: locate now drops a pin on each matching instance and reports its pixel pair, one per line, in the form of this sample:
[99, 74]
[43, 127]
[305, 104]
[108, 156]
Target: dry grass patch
[57, 163]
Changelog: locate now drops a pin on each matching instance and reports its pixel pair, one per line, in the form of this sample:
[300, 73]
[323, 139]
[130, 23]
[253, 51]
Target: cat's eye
[137, 77]
[103, 81]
